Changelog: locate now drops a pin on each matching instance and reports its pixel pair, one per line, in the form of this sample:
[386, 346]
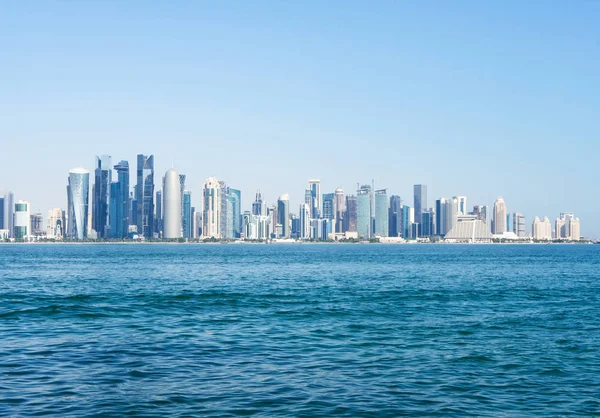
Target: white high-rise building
[22, 220]
[461, 205]
[171, 208]
[541, 230]
[79, 219]
[575, 229]
[56, 224]
[211, 219]
[500, 212]
[304, 216]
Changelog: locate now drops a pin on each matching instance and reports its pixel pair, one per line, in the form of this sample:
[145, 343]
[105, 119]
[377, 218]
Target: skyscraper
[283, 212]
[158, 213]
[395, 216]
[144, 195]
[37, 224]
[364, 223]
[427, 227]
[440, 217]
[328, 206]
[22, 220]
[314, 185]
[451, 213]
[350, 220]
[461, 204]
[519, 225]
[234, 199]
[211, 217]
[101, 202]
[259, 206]
[500, 212]
[2, 212]
[541, 230]
[339, 207]
[119, 213]
[78, 203]
[406, 223]
[182, 194]
[382, 206]
[187, 214]
[304, 216]
[171, 205]
[9, 221]
[420, 201]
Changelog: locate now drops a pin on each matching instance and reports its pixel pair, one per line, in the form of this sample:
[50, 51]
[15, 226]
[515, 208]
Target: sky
[482, 99]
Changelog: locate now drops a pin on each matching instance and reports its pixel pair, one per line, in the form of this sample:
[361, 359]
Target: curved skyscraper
[78, 202]
[171, 205]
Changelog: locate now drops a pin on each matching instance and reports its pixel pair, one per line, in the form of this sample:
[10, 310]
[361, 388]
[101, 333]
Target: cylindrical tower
[172, 205]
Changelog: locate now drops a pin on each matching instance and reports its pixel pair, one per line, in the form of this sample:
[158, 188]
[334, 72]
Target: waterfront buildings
[101, 196]
[2, 213]
[420, 201]
[283, 214]
[78, 203]
[339, 207]
[519, 225]
[144, 195]
[541, 230]
[119, 198]
[363, 202]
[171, 206]
[382, 206]
[314, 185]
[56, 224]
[259, 206]
[461, 205]
[350, 220]
[328, 206]
[500, 212]
[211, 217]
[395, 216]
[187, 215]
[22, 220]
[9, 213]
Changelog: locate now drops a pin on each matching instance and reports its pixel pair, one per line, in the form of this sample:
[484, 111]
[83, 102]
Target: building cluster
[109, 208]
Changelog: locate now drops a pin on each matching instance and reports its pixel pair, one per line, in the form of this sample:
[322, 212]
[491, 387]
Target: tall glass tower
[395, 216]
[420, 201]
[187, 214]
[329, 206]
[382, 206]
[283, 212]
[101, 202]
[78, 203]
[119, 198]
[363, 221]
[144, 195]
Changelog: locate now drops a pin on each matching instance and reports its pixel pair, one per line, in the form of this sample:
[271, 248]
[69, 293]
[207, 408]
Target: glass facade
[420, 201]
[363, 203]
[187, 214]
[234, 197]
[144, 195]
[119, 198]
[328, 206]
[351, 214]
[101, 203]
[78, 203]
[395, 217]
[406, 231]
[382, 206]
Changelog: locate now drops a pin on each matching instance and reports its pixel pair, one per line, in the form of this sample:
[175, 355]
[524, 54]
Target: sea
[266, 330]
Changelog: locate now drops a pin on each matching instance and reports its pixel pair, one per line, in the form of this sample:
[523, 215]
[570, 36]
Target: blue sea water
[299, 330]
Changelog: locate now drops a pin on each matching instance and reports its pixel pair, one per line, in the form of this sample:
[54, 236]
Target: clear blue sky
[482, 99]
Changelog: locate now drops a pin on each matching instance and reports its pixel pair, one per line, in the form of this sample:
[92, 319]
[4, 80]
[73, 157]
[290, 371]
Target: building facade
[78, 203]
[144, 195]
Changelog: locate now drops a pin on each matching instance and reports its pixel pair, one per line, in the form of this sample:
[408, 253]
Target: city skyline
[469, 99]
[114, 209]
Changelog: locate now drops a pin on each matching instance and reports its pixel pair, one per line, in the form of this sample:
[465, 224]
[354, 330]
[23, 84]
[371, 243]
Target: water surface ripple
[299, 330]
